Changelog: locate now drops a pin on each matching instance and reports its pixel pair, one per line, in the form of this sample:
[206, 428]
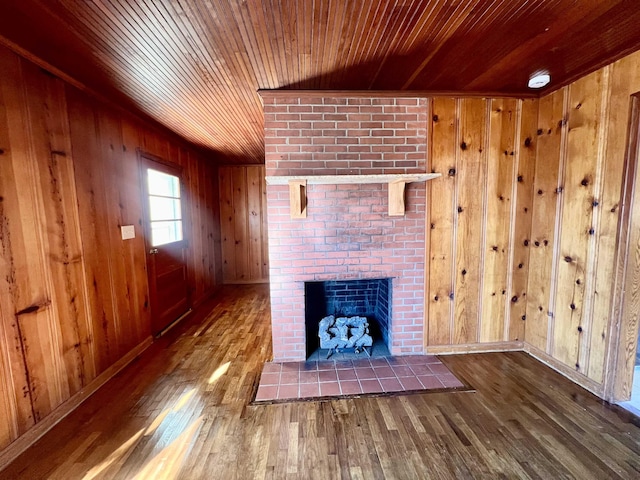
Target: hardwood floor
[181, 411]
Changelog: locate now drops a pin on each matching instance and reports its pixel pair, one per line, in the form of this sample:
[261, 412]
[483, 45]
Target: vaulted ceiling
[196, 65]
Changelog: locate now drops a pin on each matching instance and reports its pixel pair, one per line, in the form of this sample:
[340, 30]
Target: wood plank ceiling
[195, 65]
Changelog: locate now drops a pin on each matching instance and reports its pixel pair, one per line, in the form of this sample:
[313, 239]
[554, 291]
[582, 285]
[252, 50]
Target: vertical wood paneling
[476, 220]
[191, 208]
[18, 389]
[627, 301]
[73, 294]
[53, 157]
[241, 239]
[581, 161]
[523, 215]
[30, 305]
[469, 234]
[9, 426]
[501, 161]
[243, 224]
[624, 81]
[254, 179]
[202, 192]
[596, 116]
[110, 148]
[550, 131]
[227, 228]
[442, 212]
[92, 211]
[132, 215]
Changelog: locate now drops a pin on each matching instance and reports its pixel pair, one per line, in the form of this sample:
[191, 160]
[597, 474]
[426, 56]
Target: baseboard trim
[566, 371]
[474, 348]
[19, 445]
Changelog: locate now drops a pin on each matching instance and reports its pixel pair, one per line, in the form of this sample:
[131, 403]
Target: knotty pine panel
[624, 80]
[471, 174]
[227, 227]
[257, 237]
[551, 129]
[583, 114]
[30, 317]
[132, 205]
[96, 240]
[442, 208]
[526, 153]
[627, 307]
[593, 114]
[474, 213]
[73, 295]
[46, 103]
[243, 224]
[501, 164]
[206, 250]
[16, 393]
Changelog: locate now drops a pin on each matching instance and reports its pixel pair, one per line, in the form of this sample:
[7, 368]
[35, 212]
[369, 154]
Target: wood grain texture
[73, 294]
[196, 67]
[589, 332]
[244, 235]
[626, 303]
[581, 160]
[29, 316]
[442, 211]
[624, 81]
[545, 199]
[486, 236]
[470, 214]
[172, 398]
[501, 168]
[523, 208]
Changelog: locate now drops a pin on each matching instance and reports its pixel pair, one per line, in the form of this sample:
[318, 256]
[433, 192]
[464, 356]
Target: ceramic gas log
[344, 332]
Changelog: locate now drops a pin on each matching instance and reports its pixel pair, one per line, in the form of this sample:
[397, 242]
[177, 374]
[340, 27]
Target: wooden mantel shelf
[298, 185]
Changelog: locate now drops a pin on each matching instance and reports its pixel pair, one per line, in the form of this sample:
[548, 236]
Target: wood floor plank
[185, 404]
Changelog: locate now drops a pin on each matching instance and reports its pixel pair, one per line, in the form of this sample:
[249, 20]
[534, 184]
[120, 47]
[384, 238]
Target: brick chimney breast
[348, 233]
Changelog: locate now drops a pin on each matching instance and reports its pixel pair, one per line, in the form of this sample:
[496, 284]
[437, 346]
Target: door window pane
[165, 209]
[166, 232]
[163, 184]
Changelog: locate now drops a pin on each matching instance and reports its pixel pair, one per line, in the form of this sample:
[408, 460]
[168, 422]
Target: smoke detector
[540, 80]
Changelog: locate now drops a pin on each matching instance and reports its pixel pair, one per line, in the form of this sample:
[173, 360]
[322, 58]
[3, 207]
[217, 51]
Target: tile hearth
[336, 378]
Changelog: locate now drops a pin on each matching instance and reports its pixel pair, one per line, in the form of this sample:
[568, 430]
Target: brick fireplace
[348, 233]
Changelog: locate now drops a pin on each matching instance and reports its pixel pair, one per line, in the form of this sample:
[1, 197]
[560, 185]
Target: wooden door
[165, 242]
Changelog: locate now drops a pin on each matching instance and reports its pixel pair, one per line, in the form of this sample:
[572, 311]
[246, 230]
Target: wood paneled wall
[243, 213]
[582, 136]
[524, 226]
[73, 294]
[479, 220]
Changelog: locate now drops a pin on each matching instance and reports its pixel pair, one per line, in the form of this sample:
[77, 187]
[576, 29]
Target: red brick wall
[347, 233]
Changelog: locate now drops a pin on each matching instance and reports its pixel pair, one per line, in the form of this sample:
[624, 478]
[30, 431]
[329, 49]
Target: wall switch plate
[128, 231]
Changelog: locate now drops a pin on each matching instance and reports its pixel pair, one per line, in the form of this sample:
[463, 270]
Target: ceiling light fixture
[540, 80]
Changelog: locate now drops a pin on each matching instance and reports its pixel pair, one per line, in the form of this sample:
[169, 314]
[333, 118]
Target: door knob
[153, 251]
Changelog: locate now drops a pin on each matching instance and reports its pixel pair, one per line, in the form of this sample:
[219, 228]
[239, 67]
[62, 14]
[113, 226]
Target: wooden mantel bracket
[396, 183]
[396, 198]
[298, 198]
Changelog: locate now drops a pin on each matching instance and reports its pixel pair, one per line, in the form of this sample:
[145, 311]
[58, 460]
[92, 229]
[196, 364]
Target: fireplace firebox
[348, 299]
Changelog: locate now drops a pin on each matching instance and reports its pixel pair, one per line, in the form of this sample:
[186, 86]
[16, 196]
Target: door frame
[146, 160]
[625, 308]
